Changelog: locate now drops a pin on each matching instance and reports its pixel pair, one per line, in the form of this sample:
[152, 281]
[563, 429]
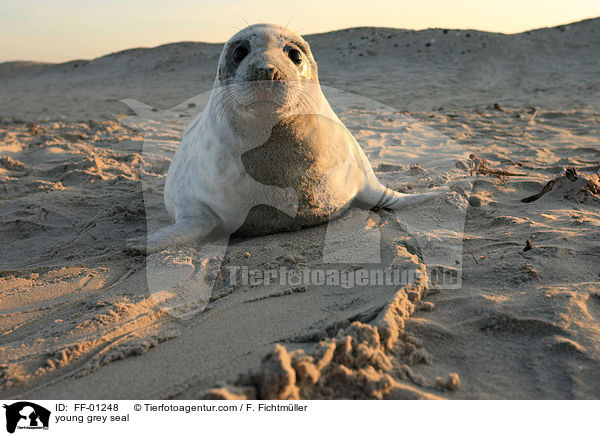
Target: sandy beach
[517, 116]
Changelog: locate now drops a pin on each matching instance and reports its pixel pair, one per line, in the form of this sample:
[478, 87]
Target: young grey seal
[268, 153]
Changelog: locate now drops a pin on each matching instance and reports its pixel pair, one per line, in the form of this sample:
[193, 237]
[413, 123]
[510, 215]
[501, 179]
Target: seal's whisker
[297, 31]
[302, 94]
[249, 25]
[286, 28]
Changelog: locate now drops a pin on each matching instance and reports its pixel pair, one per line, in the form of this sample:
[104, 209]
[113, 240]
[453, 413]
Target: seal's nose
[267, 72]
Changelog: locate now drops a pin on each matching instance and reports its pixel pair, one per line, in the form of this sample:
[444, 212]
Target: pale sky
[62, 30]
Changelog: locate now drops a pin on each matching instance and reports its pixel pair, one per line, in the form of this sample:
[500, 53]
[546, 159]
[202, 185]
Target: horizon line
[303, 35]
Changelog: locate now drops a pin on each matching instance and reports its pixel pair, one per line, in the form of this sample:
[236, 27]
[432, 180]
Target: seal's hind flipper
[381, 197]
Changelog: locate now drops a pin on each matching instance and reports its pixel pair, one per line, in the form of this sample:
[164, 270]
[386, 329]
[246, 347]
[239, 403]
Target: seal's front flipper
[185, 230]
[380, 197]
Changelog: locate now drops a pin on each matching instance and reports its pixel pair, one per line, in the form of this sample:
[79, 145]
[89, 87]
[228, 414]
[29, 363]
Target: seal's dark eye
[240, 53]
[295, 56]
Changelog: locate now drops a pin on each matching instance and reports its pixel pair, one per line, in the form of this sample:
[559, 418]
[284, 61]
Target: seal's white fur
[208, 189]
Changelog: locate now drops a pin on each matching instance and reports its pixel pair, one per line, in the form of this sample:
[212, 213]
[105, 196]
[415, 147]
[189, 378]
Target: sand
[512, 115]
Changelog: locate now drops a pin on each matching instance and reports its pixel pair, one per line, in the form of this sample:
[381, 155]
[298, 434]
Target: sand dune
[516, 113]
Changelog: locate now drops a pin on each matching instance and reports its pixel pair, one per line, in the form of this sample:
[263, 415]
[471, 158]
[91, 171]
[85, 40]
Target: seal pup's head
[266, 71]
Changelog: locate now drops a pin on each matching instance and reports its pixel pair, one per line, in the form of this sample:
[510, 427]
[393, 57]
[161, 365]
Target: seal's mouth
[262, 106]
[266, 98]
[261, 102]
[263, 95]
[267, 94]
